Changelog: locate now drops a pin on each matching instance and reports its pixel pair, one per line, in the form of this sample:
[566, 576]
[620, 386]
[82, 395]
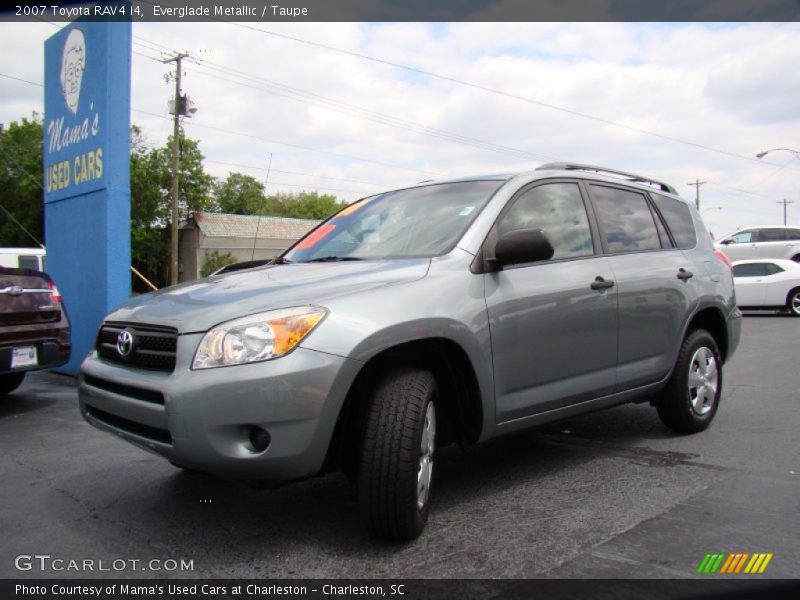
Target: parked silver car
[755, 243]
[448, 312]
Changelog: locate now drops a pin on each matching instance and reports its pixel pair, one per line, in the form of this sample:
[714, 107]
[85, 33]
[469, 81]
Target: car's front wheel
[10, 382]
[690, 400]
[396, 466]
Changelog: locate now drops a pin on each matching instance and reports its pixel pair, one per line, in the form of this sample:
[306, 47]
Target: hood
[199, 305]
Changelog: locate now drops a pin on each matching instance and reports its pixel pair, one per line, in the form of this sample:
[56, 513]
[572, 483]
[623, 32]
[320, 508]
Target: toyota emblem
[125, 342]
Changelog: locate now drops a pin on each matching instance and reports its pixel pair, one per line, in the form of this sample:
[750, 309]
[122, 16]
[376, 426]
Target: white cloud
[729, 86]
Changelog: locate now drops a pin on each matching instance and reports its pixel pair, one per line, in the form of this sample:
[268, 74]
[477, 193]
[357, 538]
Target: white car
[762, 242]
[767, 284]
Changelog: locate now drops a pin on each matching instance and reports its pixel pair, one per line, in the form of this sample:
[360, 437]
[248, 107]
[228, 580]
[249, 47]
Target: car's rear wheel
[793, 302]
[10, 382]
[690, 400]
[396, 467]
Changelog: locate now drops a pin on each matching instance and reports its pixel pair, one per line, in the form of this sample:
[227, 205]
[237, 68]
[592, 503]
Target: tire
[793, 303]
[396, 466]
[690, 400]
[10, 382]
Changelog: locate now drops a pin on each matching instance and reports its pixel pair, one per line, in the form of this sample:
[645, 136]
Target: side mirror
[523, 246]
[725, 242]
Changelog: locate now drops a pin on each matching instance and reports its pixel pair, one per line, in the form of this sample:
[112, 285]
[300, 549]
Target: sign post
[87, 173]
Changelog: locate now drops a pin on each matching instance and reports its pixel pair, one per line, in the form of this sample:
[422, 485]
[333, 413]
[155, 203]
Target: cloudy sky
[371, 106]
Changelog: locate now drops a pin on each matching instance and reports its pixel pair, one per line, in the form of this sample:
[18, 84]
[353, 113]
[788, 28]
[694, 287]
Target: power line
[229, 164]
[499, 92]
[298, 146]
[354, 110]
[20, 79]
[21, 226]
[37, 182]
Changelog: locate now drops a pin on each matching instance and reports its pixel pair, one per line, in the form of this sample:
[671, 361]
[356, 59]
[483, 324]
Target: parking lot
[607, 495]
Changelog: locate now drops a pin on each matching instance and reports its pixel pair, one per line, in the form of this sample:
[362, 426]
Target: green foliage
[21, 191]
[240, 195]
[151, 200]
[303, 205]
[214, 260]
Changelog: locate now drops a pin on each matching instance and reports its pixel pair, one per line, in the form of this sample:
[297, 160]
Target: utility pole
[176, 151]
[785, 202]
[697, 183]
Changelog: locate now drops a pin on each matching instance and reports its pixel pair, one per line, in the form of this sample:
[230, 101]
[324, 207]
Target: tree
[303, 205]
[151, 200]
[240, 195]
[21, 192]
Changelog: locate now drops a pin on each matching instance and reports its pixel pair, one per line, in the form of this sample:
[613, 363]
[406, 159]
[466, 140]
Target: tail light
[724, 258]
[55, 293]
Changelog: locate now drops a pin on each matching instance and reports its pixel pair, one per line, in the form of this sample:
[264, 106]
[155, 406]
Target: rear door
[553, 328]
[772, 242]
[653, 281]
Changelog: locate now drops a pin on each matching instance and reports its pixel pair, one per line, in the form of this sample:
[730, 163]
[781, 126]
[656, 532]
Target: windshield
[417, 222]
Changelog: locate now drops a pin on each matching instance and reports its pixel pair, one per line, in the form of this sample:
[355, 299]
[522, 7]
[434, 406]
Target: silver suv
[447, 312]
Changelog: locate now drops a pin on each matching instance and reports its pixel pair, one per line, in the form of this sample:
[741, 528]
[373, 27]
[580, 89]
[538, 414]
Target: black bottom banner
[401, 589]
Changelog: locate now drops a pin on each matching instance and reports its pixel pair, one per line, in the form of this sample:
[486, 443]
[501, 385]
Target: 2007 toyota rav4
[445, 312]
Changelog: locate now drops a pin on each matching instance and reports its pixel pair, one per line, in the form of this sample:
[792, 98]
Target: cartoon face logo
[73, 63]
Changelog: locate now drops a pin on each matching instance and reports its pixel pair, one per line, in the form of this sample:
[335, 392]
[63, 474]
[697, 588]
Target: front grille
[154, 347]
[125, 390]
[145, 431]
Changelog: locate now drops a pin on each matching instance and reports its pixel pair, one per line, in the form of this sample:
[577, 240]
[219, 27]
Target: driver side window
[743, 237]
[558, 210]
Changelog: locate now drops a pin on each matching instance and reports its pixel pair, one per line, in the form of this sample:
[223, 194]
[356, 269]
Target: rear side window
[626, 220]
[27, 261]
[793, 235]
[679, 220]
[750, 270]
[557, 209]
[773, 269]
[771, 235]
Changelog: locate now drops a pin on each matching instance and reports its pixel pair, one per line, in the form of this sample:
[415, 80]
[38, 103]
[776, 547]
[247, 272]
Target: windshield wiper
[334, 258]
[280, 261]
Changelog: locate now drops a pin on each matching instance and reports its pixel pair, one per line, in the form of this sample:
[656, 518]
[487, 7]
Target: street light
[796, 153]
[763, 153]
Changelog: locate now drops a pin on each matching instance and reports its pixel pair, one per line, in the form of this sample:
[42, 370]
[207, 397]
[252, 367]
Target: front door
[553, 323]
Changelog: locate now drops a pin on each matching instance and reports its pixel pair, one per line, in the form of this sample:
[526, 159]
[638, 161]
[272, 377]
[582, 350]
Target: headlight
[257, 337]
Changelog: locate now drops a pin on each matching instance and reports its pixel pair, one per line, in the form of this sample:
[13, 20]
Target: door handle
[601, 284]
[684, 275]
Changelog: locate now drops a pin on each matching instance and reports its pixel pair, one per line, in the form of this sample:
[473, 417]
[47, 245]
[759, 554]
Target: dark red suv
[34, 330]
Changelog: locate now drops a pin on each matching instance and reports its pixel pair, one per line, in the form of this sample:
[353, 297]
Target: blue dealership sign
[87, 172]
[76, 102]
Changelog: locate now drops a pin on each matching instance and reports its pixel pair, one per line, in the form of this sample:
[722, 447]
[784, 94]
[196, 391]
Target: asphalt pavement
[612, 494]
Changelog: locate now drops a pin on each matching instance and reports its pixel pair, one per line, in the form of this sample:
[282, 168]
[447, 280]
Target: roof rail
[565, 166]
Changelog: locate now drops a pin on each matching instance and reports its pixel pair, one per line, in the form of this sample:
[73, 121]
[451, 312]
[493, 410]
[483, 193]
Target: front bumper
[203, 419]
